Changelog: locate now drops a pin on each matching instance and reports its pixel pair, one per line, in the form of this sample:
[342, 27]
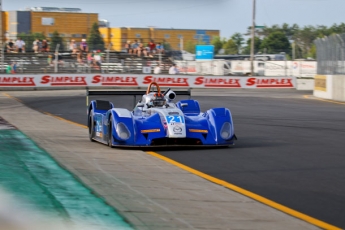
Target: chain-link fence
[331, 54]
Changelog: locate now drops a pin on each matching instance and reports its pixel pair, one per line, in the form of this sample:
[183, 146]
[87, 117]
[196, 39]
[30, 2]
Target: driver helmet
[158, 99]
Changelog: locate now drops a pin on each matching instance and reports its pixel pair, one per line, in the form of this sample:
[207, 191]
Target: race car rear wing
[133, 93]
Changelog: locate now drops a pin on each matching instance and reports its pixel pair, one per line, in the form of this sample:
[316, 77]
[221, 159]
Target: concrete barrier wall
[338, 87]
[330, 87]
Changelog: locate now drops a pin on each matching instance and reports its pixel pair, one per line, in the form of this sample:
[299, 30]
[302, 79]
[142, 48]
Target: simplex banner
[142, 80]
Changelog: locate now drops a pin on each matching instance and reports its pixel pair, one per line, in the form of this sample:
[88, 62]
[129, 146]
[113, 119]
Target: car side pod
[221, 121]
[122, 125]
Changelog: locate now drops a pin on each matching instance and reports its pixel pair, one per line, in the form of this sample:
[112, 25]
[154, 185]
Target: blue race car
[157, 121]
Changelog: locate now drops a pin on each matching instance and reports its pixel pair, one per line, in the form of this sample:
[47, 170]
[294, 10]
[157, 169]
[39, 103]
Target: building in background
[72, 23]
[116, 38]
[69, 22]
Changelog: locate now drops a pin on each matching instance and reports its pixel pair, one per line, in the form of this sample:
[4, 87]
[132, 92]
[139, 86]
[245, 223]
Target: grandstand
[114, 62]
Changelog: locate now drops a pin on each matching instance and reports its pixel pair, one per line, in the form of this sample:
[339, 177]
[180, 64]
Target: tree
[95, 40]
[166, 46]
[230, 47]
[55, 40]
[257, 44]
[276, 42]
[238, 40]
[190, 47]
[218, 43]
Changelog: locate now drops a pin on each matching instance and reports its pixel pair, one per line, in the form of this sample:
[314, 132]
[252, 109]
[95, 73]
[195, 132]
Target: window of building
[167, 36]
[137, 35]
[47, 21]
[84, 35]
[50, 35]
[76, 35]
[179, 36]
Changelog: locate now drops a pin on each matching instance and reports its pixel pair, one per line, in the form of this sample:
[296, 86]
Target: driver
[157, 100]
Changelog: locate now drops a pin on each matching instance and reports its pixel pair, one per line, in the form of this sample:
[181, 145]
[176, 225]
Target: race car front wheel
[91, 125]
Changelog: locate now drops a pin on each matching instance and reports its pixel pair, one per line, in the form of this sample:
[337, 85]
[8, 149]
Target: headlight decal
[122, 131]
[225, 131]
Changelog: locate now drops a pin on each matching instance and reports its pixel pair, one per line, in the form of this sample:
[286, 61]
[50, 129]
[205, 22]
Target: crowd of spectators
[82, 53]
[16, 46]
[147, 50]
[19, 46]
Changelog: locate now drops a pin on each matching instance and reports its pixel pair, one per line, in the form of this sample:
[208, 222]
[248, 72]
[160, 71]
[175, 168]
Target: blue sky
[228, 16]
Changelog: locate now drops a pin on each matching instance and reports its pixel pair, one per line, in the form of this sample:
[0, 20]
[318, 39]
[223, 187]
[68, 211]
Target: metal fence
[331, 54]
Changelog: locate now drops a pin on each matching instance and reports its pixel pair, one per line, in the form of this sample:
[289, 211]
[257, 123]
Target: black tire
[91, 125]
[110, 133]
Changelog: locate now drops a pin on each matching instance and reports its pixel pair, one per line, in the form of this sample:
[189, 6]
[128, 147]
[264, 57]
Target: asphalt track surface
[290, 148]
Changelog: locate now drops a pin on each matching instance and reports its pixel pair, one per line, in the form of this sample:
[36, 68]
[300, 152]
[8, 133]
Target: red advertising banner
[141, 80]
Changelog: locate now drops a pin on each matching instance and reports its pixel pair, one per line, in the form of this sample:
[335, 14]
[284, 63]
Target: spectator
[159, 48]
[157, 70]
[173, 69]
[10, 46]
[20, 45]
[45, 46]
[128, 47]
[134, 47]
[79, 56]
[97, 59]
[8, 69]
[50, 60]
[35, 45]
[83, 46]
[59, 60]
[141, 50]
[89, 59]
[73, 47]
[152, 47]
[14, 67]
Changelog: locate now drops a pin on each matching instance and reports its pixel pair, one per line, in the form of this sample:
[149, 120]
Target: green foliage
[166, 45]
[29, 39]
[238, 40]
[312, 52]
[95, 40]
[190, 47]
[218, 43]
[257, 44]
[276, 42]
[55, 40]
[230, 47]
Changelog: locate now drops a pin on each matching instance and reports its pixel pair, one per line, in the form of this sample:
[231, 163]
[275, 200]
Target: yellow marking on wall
[249, 194]
[320, 83]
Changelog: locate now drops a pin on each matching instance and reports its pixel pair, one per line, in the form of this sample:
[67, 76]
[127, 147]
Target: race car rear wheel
[91, 125]
[110, 133]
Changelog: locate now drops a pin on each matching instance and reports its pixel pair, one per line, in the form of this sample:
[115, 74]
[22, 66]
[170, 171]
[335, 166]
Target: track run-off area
[290, 148]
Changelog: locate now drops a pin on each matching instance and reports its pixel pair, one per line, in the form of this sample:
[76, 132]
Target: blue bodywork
[120, 127]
